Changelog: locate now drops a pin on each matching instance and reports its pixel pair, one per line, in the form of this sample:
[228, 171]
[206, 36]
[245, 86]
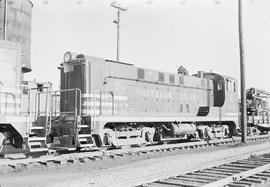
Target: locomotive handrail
[21, 89]
[154, 82]
[48, 110]
[48, 105]
[77, 90]
[13, 95]
[1, 84]
[76, 108]
[55, 103]
[77, 105]
[37, 104]
[6, 103]
[262, 109]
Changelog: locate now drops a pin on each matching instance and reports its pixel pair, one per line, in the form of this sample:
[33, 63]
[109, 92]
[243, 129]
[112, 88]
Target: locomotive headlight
[67, 57]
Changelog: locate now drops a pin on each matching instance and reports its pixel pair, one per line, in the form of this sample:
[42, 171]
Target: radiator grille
[71, 80]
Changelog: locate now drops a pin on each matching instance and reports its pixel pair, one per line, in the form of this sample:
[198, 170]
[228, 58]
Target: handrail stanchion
[112, 103]
[1, 85]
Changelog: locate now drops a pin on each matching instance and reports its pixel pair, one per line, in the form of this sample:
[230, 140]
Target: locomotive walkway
[136, 172]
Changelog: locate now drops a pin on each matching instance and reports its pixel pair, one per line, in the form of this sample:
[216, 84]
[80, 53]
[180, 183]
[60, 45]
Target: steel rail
[251, 171]
[107, 154]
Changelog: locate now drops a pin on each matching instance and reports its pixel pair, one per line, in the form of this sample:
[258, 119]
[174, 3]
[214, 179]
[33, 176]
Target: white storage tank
[10, 78]
[18, 27]
[10, 62]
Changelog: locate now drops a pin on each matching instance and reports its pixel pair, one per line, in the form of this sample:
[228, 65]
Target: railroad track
[253, 171]
[12, 164]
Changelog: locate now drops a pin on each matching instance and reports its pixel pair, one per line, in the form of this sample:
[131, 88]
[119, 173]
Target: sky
[201, 35]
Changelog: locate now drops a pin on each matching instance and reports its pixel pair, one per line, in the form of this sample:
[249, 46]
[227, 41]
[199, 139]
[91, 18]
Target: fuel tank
[181, 129]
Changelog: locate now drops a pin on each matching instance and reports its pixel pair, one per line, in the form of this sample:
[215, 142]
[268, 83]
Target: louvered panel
[71, 80]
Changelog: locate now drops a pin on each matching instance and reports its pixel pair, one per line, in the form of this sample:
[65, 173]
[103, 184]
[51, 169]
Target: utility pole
[117, 22]
[242, 75]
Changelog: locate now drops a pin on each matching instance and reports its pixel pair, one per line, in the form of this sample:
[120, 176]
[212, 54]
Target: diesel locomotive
[109, 103]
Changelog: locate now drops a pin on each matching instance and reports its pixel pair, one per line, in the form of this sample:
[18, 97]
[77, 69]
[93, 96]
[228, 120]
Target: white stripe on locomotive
[97, 96]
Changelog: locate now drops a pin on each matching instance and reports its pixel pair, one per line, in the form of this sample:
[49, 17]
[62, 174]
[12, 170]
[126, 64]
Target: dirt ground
[128, 171]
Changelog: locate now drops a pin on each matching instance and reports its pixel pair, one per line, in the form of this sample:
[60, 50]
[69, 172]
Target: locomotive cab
[218, 88]
[225, 104]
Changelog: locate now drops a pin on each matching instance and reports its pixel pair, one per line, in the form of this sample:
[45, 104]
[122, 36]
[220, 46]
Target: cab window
[140, 73]
[234, 86]
[219, 85]
[219, 92]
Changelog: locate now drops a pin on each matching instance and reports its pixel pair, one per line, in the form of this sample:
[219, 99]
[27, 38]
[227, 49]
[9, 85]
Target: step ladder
[37, 138]
[84, 139]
